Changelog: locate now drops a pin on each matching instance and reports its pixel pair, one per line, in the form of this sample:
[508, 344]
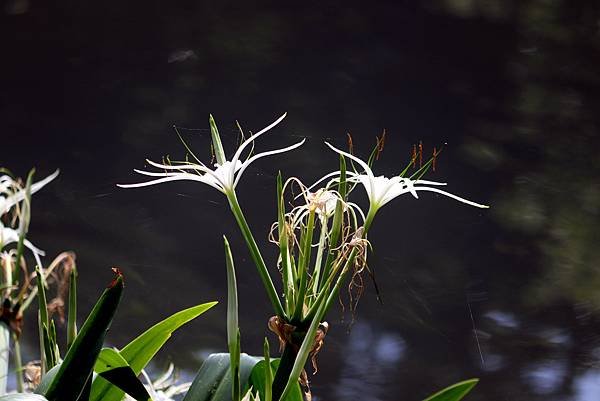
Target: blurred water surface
[509, 295]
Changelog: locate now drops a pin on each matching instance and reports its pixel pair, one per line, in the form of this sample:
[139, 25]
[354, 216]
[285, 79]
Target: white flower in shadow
[11, 194]
[224, 176]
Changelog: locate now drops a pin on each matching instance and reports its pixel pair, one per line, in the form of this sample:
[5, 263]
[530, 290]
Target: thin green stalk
[18, 363]
[333, 293]
[306, 241]
[334, 239]
[288, 282]
[42, 319]
[233, 332]
[338, 218]
[255, 254]
[72, 313]
[325, 292]
[4, 355]
[319, 259]
[41, 339]
[369, 220]
[268, 373]
[23, 224]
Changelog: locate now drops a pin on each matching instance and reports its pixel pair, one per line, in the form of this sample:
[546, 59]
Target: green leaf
[233, 332]
[141, 350]
[111, 366]
[72, 316]
[23, 397]
[213, 381]
[454, 392]
[24, 222]
[216, 140]
[79, 362]
[258, 378]
[268, 393]
[46, 356]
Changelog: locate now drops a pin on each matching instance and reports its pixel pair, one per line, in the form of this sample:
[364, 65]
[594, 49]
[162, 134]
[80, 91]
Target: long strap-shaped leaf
[111, 366]
[141, 350]
[76, 369]
[454, 392]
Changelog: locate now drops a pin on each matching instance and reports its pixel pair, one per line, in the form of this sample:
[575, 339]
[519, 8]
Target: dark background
[508, 294]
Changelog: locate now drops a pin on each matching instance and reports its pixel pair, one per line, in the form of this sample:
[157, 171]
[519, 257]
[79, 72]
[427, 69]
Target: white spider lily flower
[226, 174]
[324, 201]
[11, 193]
[380, 190]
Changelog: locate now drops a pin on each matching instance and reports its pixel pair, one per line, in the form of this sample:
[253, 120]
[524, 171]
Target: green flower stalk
[224, 177]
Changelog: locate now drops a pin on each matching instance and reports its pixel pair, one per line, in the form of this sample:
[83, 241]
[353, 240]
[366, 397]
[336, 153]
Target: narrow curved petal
[448, 194]
[155, 174]
[358, 209]
[208, 172]
[7, 203]
[263, 154]
[425, 182]
[364, 165]
[179, 177]
[326, 176]
[10, 235]
[251, 139]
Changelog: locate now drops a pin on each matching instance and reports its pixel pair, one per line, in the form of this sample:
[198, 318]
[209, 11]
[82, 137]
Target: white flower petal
[425, 182]
[263, 154]
[448, 194]
[179, 177]
[6, 203]
[248, 141]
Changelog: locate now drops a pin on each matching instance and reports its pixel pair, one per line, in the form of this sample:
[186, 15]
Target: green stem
[334, 240]
[334, 291]
[319, 260]
[284, 252]
[255, 254]
[306, 242]
[369, 220]
[23, 225]
[4, 355]
[284, 370]
[18, 363]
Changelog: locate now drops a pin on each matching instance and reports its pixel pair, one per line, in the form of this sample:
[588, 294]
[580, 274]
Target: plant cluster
[321, 236]
[322, 241]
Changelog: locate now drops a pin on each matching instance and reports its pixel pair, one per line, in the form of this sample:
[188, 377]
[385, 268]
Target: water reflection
[545, 378]
[370, 357]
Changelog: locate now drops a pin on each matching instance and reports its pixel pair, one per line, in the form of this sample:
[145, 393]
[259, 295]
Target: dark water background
[510, 295]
